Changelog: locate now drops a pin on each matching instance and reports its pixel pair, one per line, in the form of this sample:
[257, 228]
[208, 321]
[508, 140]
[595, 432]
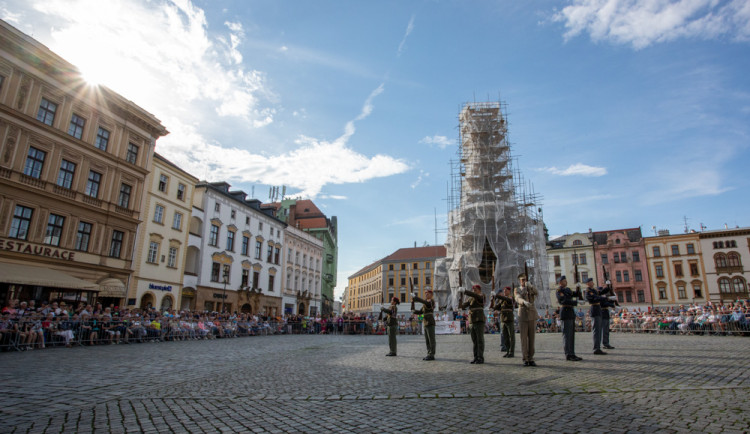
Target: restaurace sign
[36, 249]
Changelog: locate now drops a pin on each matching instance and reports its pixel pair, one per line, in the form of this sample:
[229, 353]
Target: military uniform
[391, 322]
[568, 300]
[595, 311]
[605, 318]
[527, 317]
[428, 325]
[507, 327]
[476, 321]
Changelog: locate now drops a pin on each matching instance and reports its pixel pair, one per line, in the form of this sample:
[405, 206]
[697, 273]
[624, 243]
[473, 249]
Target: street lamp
[224, 295]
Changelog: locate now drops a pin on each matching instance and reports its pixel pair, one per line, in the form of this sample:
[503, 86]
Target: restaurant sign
[36, 249]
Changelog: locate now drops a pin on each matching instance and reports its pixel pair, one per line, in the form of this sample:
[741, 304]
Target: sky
[622, 113]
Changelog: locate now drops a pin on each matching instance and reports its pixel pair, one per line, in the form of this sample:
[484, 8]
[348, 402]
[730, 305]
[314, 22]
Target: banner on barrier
[447, 328]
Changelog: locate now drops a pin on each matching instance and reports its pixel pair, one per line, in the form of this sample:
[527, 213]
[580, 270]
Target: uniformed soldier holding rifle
[428, 322]
[391, 321]
[475, 303]
[504, 305]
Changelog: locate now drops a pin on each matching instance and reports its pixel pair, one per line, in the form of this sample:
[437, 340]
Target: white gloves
[413, 294]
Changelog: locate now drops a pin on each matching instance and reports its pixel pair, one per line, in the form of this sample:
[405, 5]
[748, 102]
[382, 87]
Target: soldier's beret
[561, 278]
[476, 287]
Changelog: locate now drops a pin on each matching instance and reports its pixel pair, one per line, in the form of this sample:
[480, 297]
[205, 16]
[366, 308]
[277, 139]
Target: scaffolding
[495, 221]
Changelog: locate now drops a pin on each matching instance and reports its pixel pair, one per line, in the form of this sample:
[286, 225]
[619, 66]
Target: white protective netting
[495, 224]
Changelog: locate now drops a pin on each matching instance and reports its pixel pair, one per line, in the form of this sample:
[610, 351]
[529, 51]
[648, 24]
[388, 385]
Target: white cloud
[332, 196]
[441, 141]
[641, 23]
[162, 55]
[422, 174]
[409, 28]
[576, 169]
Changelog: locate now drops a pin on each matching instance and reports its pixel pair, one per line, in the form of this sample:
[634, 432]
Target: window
[693, 269]
[617, 241]
[92, 184]
[626, 276]
[153, 252]
[415, 266]
[403, 281]
[46, 113]
[618, 276]
[657, 251]
[638, 276]
[678, 270]
[721, 260]
[690, 249]
[124, 199]
[217, 207]
[269, 254]
[557, 260]
[427, 280]
[629, 296]
[675, 250]
[76, 126]
[659, 270]
[230, 241]
[246, 277]
[270, 282]
[582, 258]
[102, 139]
[246, 245]
[636, 257]
[697, 290]
[181, 191]
[163, 183]
[619, 296]
[605, 260]
[172, 257]
[390, 281]
[724, 285]
[132, 155]
[733, 259]
[54, 230]
[213, 236]
[116, 244]
[177, 221]
[260, 226]
[641, 296]
[19, 228]
[390, 267]
[577, 242]
[681, 293]
[83, 236]
[662, 293]
[215, 271]
[159, 214]
[575, 259]
[616, 256]
[247, 221]
[34, 163]
[232, 214]
[256, 279]
[584, 276]
[65, 176]
[427, 265]
[738, 285]
[258, 247]
[277, 252]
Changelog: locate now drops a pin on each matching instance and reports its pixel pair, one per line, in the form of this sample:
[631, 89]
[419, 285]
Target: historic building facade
[303, 261]
[676, 269]
[163, 239]
[726, 254]
[621, 254]
[73, 164]
[234, 258]
[565, 254]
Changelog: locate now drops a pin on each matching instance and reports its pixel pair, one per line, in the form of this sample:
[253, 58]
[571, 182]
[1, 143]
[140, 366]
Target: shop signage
[160, 287]
[217, 295]
[36, 249]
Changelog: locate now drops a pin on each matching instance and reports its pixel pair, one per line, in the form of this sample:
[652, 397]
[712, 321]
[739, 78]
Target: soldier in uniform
[595, 311]
[391, 321]
[568, 300]
[605, 315]
[475, 303]
[428, 323]
[504, 305]
[525, 296]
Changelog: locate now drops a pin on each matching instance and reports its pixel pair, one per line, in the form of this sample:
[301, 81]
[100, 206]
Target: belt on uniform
[593, 304]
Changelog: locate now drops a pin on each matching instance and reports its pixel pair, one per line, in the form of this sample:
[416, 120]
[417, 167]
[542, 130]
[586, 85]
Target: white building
[726, 257]
[235, 252]
[302, 272]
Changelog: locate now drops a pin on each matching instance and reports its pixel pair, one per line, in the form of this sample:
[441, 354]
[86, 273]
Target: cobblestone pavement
[345, 384]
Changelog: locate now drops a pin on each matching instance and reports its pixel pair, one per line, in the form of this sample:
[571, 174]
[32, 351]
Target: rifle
[411, 289]
[492, 299]
[526, 270]
[460, 287]
[579, 294]
[380, 317]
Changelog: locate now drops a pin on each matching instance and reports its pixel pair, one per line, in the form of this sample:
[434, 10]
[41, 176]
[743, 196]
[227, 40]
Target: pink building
[622, 254]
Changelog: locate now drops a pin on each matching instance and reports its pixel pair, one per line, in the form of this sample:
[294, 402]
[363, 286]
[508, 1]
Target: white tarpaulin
[447, 328]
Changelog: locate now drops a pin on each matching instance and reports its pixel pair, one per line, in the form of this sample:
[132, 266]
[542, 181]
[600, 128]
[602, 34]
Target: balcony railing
[5, 173]
[62, 191]
[36, 182]
[92, 201]
[125, 211]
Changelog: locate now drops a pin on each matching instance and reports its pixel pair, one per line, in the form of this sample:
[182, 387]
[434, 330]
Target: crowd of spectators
[26, 326]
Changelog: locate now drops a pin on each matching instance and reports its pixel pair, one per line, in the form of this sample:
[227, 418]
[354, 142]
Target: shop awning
[38, 276]
[111, 288]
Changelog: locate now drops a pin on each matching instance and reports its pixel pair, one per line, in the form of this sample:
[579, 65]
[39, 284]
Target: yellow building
[73, 164]
[162, 239]
[676, 269]
[365, 289]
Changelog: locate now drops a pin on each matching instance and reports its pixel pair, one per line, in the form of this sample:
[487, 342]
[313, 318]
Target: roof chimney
[415, 244]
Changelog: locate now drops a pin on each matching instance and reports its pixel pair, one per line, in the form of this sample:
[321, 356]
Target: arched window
[721, 260]
[738, 284]
[733, 259]
[724, 285]
[577, 242]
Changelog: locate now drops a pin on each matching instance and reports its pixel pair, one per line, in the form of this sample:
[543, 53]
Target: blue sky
[623, 113]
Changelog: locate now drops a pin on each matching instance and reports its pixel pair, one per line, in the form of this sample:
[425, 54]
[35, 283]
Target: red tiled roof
[312, 223]
[416, 253]
[306, 208]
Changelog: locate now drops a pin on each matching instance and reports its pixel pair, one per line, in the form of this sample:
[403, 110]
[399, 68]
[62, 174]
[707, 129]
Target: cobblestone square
[345, 384]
